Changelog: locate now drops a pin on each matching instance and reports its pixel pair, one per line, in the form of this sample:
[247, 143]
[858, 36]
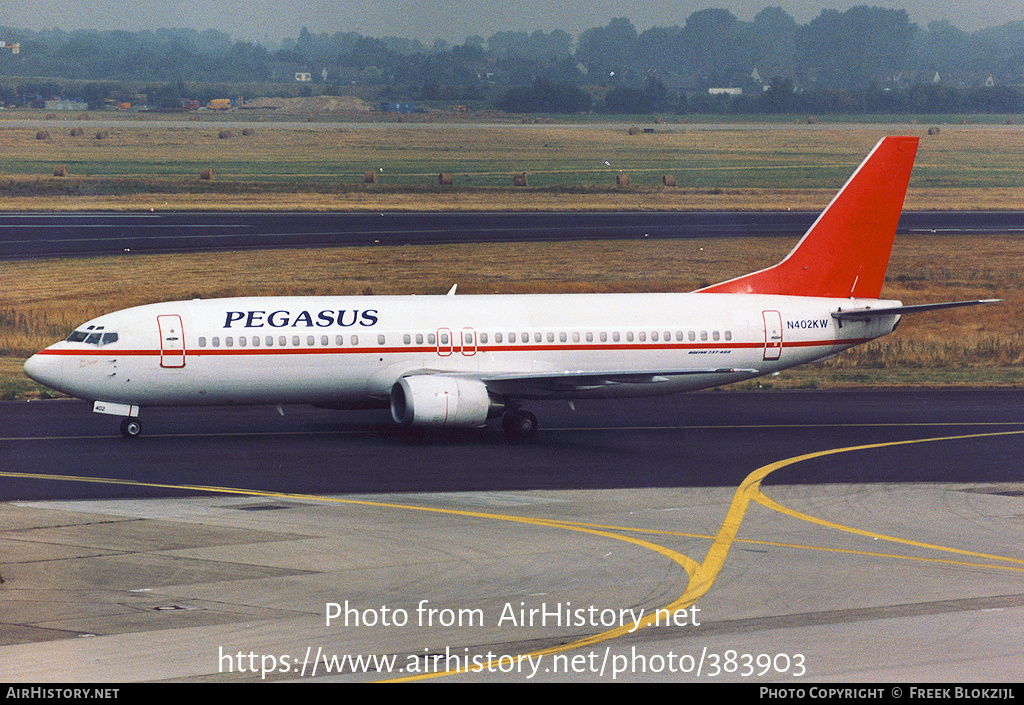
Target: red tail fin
[846, 251]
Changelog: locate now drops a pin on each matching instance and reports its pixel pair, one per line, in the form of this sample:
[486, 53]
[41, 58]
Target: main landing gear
[131, 427]
[519, 426]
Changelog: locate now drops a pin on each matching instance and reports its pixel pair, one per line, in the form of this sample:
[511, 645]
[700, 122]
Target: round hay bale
[634, 130]
[934, 130]
[445, 179]
[206, 175]
[224, 134]
[248, 131]
[622, 180]
[77, 132]
[84, 116]
[668, 180]
[60, 170]
[369, 177]
[42, 135]
[51, 116]
[102, 135]
[519, 179]
[812, 120]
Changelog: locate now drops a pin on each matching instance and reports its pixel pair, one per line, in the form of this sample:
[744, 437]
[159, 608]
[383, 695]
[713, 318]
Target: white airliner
[462, 360]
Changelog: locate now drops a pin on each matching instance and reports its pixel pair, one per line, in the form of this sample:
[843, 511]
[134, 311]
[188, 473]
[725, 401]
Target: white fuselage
[350, 351]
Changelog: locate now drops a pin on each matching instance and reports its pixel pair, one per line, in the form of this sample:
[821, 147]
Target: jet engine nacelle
[436, 400]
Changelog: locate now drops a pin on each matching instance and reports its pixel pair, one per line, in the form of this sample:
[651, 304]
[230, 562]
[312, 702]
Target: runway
[791, 537]
[34, 235]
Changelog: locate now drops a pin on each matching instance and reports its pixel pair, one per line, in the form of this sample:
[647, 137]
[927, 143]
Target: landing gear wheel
[131, 428]
[519, 426]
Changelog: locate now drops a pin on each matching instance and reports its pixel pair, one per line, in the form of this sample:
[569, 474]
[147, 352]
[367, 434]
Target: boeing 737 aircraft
[448, 361]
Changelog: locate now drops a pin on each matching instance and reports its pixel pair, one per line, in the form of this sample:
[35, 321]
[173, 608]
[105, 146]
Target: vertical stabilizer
[846, 251]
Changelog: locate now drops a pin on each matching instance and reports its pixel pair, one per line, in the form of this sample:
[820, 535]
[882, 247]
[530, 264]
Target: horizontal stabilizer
[868, 312]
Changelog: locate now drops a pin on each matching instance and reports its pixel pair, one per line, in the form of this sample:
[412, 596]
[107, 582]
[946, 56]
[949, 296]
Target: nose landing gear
[131, 427]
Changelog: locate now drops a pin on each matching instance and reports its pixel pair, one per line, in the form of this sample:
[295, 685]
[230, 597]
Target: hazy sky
[452, 20]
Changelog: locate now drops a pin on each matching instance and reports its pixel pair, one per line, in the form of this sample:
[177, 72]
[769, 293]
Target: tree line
[865, 59]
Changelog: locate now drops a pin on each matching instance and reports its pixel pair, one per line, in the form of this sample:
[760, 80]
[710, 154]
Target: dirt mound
[311, 105]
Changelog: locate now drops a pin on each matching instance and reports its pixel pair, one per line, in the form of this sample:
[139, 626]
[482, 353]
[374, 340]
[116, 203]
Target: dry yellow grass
[569, 167]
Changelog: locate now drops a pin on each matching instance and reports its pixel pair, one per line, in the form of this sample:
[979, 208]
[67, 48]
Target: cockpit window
[92, 337]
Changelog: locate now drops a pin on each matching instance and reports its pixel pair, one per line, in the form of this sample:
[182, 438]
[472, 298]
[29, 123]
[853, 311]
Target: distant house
[62, 104]
[404, 108]
[303, 76]
[725, 91]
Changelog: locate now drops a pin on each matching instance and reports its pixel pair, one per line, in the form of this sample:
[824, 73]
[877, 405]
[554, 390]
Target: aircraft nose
[45, 369]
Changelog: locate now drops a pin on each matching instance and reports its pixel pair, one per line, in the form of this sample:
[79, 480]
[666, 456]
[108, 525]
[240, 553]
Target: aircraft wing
[859, 314]
[544, 384]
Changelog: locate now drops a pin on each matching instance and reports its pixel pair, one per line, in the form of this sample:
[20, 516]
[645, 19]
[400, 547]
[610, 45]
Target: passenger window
[310, 341]
[324, 340]
[444, 339]
[269, 341]
[255, 341]
[355, 340]
[419, 339]
[511, 337]
[380, 340]
[295, 341]
[714, 335]
[216, 341]
[629, 336]
[693, 336]
[282, 341]
[202, 341]
[407, 339]
[703, 335]
[604, 337]
[339, 340]
[483, 339]
[654, 336]
[229, 342]
[431, 339]
[728, 335]
[497, 337]
[242, 341]
[538, 338]
[615, 336]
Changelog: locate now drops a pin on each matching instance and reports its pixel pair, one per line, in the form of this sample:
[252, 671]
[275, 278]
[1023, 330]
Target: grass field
[157, 165]
[143, 166]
